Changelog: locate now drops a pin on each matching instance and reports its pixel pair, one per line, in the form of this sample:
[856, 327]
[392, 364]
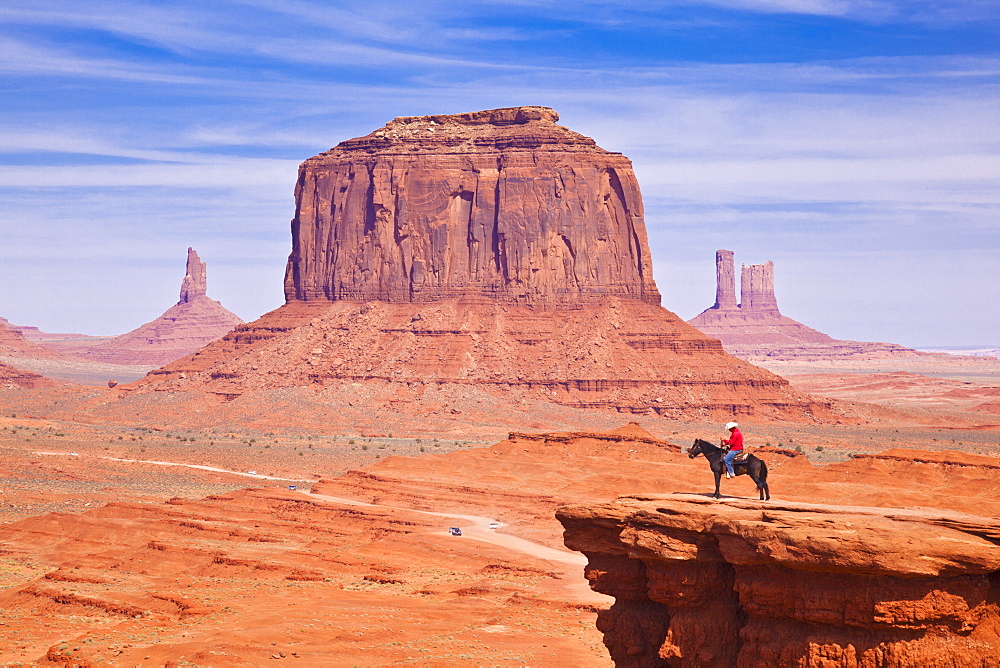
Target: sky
[856, 143]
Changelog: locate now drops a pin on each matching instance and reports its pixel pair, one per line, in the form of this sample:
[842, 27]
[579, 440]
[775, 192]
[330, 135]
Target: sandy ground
[80, 371]
[141, 545]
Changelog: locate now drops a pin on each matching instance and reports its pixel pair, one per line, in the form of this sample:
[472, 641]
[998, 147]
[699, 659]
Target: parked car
[495, 525]
[455, 531]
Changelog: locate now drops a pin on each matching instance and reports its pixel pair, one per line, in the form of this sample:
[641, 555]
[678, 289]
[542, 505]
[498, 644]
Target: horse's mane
[707, 445]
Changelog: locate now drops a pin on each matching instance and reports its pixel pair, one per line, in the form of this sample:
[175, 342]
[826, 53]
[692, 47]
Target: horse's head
[695, 448]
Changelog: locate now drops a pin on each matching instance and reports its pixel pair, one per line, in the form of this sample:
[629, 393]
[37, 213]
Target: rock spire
[757, 287]
[725, 280]
[194, 284]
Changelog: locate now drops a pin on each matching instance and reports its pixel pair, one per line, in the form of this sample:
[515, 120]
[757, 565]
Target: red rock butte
[503, 204]
[755, 329]
[493, 251]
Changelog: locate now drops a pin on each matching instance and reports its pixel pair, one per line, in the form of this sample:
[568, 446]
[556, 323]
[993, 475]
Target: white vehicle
[495, 525]
[252, 472]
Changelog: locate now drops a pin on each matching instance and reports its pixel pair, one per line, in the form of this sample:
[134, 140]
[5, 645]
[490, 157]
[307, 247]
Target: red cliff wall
[741, 584]
[502, 203]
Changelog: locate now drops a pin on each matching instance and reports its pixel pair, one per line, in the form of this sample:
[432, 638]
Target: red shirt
[735, 442]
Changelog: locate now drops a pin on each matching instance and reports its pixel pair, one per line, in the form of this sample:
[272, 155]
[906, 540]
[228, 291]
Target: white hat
[731, 425]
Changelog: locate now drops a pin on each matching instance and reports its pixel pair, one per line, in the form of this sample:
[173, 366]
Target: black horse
[752, 466]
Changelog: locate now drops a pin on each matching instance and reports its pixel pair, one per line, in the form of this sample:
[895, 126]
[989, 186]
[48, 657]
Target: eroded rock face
[14, 343]
[195, 281]
[12, 378]
[502, 203]
[739, 583]
[620, 355]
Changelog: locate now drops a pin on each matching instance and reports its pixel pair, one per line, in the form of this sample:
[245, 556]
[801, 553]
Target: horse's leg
[756, 481]
[718, 478]
[765, 493]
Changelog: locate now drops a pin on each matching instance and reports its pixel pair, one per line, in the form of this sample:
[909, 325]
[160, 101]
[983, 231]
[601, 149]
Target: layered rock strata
[14, 344]
[12, 378]
[756, 330]
[502, 203]
[737, 583]
[626, 356]
[36, 335]
[194, 321]
[493, 251]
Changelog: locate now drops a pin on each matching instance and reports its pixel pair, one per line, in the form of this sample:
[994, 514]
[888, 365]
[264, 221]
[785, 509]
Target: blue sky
[854, 142]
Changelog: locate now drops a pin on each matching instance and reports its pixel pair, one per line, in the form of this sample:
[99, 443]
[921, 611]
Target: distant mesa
[36, 335]
[190, 324]
[13, 343]
[484, 256]
[754, 328]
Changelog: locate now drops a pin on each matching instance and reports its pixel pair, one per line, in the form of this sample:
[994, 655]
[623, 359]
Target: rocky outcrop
[756, 330]
[757, 287]
[504, 204]
[36, 335]
[12, 378]
[725, 281]
[740, 583]
[14, 344]
[194, 285]
[493, 250]
[191, 323]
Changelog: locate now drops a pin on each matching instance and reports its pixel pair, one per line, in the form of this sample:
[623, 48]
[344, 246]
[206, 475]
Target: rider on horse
[735, 443]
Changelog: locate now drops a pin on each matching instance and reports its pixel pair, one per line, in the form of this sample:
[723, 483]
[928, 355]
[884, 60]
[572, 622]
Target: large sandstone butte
[194, 321]
[491, 252]
[504, 204]
[735, 583]
[755, 329]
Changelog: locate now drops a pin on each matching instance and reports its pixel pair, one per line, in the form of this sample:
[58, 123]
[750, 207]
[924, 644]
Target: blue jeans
[728, 460]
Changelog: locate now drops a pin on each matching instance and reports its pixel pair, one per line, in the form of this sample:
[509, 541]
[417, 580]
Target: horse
[752, 466]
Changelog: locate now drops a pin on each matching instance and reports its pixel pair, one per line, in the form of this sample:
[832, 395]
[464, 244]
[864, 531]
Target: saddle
[742, 457]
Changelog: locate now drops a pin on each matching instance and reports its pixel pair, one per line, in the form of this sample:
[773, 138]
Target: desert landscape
[463, 440]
